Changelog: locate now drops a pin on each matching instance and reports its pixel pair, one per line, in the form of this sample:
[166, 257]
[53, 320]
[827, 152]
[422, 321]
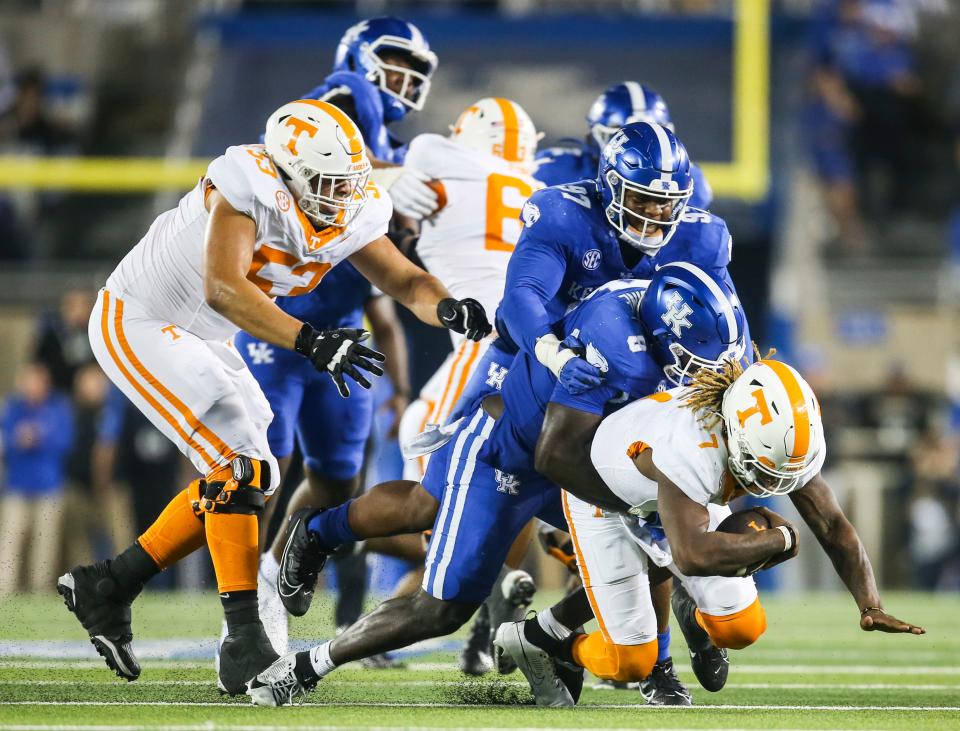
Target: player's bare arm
[419, 291]
[229, 245]
[698, 551]
[563, 455]
[819, 509]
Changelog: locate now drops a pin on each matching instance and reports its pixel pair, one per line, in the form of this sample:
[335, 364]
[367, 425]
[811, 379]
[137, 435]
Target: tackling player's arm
[563, 455]
[819, 509]
[419, 291]
[229, 245]
[698, 551]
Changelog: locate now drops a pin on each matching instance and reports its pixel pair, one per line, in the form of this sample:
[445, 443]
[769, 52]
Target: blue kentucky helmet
[623, 103]
[363, 47]
[694, 320]
[645, 183]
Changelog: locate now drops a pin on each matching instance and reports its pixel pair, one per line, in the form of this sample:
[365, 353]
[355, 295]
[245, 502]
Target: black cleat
[710, 663]
[92, 594]
[245, 652]
[475, 657]
[301, 563]
[662, 687]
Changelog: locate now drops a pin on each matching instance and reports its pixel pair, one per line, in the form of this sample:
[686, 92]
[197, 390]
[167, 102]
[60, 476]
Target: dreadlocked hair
[705, 393]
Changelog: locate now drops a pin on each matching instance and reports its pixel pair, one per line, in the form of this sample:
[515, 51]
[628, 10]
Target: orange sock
[177, 532]
[233, 540]
[738, 630]
[614, 662]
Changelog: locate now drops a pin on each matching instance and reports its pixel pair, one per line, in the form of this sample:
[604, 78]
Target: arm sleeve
[534, 275]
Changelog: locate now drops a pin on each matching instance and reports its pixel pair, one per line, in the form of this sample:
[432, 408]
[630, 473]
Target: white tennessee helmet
[498, 127]
[774, 431]
[323, 158]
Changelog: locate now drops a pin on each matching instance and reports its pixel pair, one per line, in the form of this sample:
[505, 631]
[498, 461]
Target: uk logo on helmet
[591, 260]
[676, 317]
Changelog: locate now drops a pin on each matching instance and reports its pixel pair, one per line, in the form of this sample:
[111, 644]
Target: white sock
[549, 624]
[269, 567]
[320, 659]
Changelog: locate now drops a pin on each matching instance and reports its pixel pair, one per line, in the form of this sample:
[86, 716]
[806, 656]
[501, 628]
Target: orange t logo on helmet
[299, 127]
[761, 408]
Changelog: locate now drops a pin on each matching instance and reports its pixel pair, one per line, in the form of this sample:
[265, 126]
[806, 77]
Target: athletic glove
[464, 316]
[338, 352]
[573, 372]
[411, 195]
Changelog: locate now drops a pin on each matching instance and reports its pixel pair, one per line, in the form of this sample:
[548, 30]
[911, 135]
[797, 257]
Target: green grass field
[814, 669]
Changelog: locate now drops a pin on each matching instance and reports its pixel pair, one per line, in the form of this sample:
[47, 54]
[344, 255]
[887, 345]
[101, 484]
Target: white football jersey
[693, 457]
[468, 243]
[164, 271]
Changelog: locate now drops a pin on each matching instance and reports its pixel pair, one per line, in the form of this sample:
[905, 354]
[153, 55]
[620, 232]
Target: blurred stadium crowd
[854, 253]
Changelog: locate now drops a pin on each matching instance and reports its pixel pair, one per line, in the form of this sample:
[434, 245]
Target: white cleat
[535, 664]
[281, 684]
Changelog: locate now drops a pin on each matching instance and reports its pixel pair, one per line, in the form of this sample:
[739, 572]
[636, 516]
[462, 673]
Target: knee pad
[610, 661]
[738, 630]
[239, 491]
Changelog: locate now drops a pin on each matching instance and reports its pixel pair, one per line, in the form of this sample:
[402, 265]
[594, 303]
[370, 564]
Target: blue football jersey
[567, 249]
[608, 328]
[572, 160]
[336, 302]
[368, 112]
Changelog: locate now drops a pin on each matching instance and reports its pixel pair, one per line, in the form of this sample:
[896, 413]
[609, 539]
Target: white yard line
[241, 727]
[604, 706]
[497, 683]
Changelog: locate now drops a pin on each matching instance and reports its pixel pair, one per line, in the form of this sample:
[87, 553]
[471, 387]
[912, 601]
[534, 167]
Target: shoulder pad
[705, 237]
[247, 178]
[439, 156]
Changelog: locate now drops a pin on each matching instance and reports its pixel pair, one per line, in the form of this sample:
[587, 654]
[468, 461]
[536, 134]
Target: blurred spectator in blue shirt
[37, 432]
[863, 107]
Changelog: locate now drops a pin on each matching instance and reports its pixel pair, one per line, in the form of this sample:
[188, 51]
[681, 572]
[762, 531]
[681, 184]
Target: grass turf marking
[602, 706]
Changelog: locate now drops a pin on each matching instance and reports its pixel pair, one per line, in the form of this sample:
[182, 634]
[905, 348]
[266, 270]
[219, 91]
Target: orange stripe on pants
[584, 573]
[104, 321]
[225, 452]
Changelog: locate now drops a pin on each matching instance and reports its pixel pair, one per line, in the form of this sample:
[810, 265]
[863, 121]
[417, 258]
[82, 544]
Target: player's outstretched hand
[877, 620]
[412, 196]
[465, 316]
[338, 352]
[577, 376]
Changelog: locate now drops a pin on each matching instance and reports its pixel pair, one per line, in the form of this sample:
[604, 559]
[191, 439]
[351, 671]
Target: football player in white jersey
[482, 175]
[683, 454]
[265, 220]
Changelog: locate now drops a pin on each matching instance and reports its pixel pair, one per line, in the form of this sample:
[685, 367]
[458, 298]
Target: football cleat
[92, 594]
[288, 679]
[537, 666]
[301, 563]
[710, 663]
[245, 651]
[662, 687]
[475, 657]
[509, 604]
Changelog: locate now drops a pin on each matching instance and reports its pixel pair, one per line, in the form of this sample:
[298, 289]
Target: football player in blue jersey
[483, 482]
[620, 104]
[381, 72]
[330, 431]
[624, 223]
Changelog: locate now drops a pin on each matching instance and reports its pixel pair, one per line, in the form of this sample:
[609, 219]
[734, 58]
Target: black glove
[339, 351]
[464, 316]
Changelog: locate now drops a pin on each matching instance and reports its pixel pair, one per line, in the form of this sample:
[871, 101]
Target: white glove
[412, 197]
